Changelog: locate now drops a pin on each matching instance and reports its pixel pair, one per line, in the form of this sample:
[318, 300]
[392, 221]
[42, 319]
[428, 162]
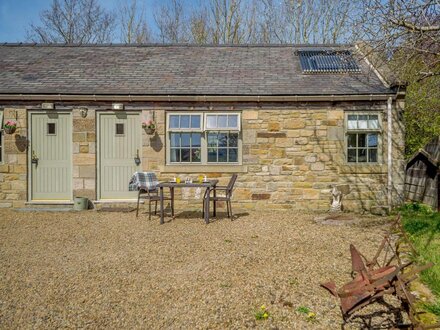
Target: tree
[171, 22]
[134, 27]
[73, 21]
[407, 31]
[312, 21]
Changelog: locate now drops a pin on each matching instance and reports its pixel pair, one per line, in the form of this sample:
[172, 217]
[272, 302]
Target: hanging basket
[10, 130]
[150, 131]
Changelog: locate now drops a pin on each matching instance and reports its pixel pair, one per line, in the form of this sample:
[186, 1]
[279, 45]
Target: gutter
[195, 98]
[390, 152]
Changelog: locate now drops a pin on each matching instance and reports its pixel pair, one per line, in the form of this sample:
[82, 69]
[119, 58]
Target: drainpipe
[390, 151]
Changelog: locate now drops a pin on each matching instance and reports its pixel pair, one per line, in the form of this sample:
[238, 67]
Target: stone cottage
[291, 120]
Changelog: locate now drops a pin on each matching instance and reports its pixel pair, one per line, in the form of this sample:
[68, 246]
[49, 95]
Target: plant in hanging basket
[10, 126]
[149, 126]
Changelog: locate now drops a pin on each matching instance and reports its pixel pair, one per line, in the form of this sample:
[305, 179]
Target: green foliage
[262, 313]
[303, 309]
[433, 308]
[423, 227]
[422, 102]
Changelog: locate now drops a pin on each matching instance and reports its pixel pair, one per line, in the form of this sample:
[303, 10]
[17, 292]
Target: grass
[423, 228]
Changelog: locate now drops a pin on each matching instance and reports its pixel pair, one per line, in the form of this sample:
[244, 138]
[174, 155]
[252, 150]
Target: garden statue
[336, 200]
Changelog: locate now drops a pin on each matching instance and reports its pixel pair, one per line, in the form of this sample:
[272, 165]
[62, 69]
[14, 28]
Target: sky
[17, 15]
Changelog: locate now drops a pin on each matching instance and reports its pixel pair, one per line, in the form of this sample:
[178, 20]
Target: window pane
[184, 121]
[351, 140]
[222, 139]
[222, 121]
[51, 129]
[351, 156]
[362, 155]
[212, 155]
[212, 139]
[195, 155]
[372, 155]
[222, 155]
[185, 139]
[211, 121]
[362, 140]
[175, 155]
[233, 121]
[372, 140]
[352, 122]
[196, 139]
[195, 121]
[175, 139]
[233, 139]
[186, 155]
[119, 129]
[374, 121]
[174, 121]
[233, 155]
[363, 121]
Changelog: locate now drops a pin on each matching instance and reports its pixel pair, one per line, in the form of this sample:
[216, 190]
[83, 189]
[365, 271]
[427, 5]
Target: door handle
[137, 159]
[34, 158]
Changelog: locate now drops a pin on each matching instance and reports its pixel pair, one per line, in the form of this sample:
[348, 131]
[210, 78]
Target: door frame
[29, 154]
[98, 147]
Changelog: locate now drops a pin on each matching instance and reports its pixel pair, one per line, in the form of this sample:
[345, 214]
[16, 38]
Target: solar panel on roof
[327, 61]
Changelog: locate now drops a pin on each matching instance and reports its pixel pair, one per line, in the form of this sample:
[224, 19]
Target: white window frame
[204, 141]
[237, 129]
[378, 131]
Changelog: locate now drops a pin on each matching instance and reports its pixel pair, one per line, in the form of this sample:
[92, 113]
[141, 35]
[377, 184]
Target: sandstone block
[270, 135]
[294, 123]
[273, 126]
[86, 171]
[310, 194]
[83, 159]
[79, 137]
[317, 167]
[18, 185]
[4, 168]
[19, 169]
[91, 137]
[335, 114]
[81, 125]
[250, 114]
[84, 149]
[260, 196]
[78, 183]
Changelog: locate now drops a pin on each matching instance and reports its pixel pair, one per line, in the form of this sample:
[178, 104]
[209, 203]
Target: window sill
[187, 168]
[363, 169]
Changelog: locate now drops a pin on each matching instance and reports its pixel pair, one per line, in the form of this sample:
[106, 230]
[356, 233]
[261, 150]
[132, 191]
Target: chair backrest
[231, 183]
[147, 180]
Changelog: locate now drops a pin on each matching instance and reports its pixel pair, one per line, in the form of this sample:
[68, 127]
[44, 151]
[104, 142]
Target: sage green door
[51, 156]
[120, 145]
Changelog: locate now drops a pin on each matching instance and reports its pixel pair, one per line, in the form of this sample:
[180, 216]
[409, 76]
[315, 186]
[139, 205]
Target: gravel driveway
[106, 269]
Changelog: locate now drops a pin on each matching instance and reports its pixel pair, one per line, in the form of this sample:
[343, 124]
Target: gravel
[106, 269]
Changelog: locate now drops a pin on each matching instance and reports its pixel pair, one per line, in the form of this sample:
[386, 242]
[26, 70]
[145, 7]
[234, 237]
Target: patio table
[208, 185]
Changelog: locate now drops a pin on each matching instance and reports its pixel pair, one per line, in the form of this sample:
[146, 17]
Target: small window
[222, 122]
[51, 129]
[185, 147]
[120, 129]
[222, 147]
[179, 122]
[363, 135]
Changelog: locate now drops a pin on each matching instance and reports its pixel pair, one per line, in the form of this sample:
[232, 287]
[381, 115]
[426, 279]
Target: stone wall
[292, 154]
[13, 169]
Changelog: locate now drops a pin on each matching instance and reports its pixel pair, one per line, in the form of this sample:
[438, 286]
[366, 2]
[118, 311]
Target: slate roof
[173, 70]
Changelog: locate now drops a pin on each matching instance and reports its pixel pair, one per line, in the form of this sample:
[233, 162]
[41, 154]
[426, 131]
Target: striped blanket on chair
[143, 180]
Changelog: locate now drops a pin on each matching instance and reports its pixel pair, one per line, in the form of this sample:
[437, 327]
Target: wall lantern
[47, 106]
[83, 112]
[117, 106]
